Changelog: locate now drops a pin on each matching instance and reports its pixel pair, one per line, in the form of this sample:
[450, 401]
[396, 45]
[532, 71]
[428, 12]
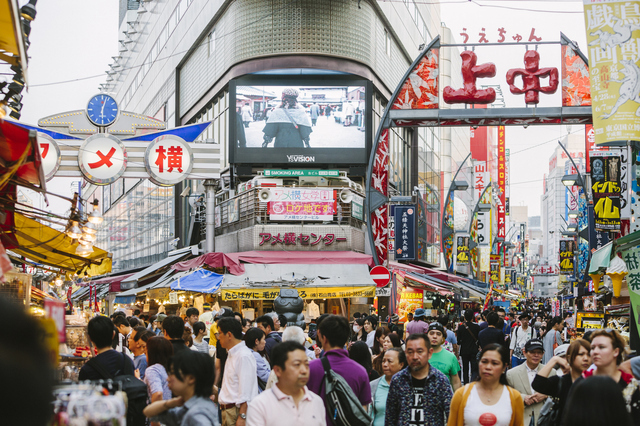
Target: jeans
[515, 361]
[469, 368]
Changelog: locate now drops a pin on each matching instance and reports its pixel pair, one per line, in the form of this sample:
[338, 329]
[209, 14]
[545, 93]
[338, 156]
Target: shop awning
[113, 281]
[129, 296]
[153, 270]
[426, 283]
[48, 246]
[600, 258]
[232, 261]
[11, 39]
[20, 156]
[201, 281]
[264, 281]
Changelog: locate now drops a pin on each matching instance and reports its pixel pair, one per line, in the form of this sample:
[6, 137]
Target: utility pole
[210, 241]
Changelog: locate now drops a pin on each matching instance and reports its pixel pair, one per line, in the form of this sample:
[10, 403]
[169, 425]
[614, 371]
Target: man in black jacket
[173, 328]
[467, 335]
[265, 323]
[101, 332]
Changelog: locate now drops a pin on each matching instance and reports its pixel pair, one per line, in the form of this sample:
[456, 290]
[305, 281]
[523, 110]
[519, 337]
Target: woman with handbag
[578, 359]
[489, 400]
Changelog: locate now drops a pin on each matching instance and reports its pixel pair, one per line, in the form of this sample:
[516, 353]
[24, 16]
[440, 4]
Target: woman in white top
[370, 324]
[489, 400]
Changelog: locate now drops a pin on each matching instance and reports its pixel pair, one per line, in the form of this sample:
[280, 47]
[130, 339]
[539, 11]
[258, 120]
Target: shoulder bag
[550, 411]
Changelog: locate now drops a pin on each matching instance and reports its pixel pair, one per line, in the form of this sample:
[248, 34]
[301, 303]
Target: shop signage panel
[357, 207]
[391, 232]
[567, 247]
[168, 160]
[483, 228]
[632, 259]
[102, 159]
[606, 187]
[158, 293]
[383, 292]
[405, 242]
[481, 178]
[302, 204]
[55, 310]
[50, 154]
[485, 253]
[298, 173]
[410, 300]
[462, 249]
[502, 186]
[612, 36]
[305, 293]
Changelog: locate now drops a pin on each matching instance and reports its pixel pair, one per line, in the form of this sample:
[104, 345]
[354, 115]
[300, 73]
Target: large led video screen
[299, 123]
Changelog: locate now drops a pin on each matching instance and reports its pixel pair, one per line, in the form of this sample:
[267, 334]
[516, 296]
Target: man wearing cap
[288, 124]
[394, 326]
[442, 359]
[519, 336]
[521, 377]
[417, 326]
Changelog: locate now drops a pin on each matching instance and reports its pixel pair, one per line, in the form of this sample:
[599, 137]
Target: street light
[573, 214]
[569, 234]
[570, 180]
[459, 185]
[572, 228]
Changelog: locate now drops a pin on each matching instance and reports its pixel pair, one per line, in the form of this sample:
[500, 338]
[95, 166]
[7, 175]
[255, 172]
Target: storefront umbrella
[201, 281]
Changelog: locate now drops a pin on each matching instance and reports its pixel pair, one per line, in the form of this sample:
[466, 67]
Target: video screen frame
[299, 156]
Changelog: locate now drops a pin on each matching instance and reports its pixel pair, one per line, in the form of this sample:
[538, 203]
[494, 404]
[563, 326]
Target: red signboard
[502, 187]
[55, 310]
[380, 275]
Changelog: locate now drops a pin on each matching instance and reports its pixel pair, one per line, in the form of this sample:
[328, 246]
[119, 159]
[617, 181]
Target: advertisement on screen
[298, 122]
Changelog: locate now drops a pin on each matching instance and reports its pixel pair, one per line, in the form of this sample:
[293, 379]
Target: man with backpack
[520, 335]
[272, 337]
[333, 332]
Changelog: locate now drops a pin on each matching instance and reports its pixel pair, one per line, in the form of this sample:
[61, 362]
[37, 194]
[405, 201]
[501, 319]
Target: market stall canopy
[232, 261]
[313, 281]
[426, 283]
[11, 39]
[129, 296]
[150, 271]
[201, 281]
[20, 159]
[113, 281]
[600, 258]
[42, 244]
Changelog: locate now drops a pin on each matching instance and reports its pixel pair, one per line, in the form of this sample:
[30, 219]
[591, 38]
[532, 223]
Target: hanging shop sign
[55, 310]
[302, 204]
[158, 293]
[481, 178]
[612, 36]
[391, 232]
[410, 300]
[483, 228]
[50, 154]
[173, 298]
[485, 254]
[632, 259]
[168, 160]
[302, 239]
[357, 207]
[567, 247]
[405, 244]
[462, 249]
[305, 293]
[298, 173]
[606, 188]
[102, 159]
[502, 186]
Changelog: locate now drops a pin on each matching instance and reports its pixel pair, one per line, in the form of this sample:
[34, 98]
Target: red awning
[427, 285]
[114, 282]
[19, 156]
[232, 261]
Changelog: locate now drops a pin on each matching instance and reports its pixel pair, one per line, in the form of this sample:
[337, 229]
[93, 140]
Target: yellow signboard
[305, 293]
[613, 35]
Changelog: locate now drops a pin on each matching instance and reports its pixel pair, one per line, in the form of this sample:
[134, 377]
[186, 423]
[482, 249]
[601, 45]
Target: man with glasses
[519, 336]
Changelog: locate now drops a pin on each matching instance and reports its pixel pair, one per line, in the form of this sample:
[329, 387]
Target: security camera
[185, 192]
[174, 243]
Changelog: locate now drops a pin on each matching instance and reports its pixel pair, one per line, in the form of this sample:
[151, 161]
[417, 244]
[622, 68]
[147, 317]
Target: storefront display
[589, 320]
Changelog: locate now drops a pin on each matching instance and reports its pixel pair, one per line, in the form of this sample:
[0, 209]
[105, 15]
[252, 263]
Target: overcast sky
[72, 42]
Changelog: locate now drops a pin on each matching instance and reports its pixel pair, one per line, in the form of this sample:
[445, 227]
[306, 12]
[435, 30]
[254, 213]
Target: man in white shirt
[288, 402]
[519, 337]
[240, 383]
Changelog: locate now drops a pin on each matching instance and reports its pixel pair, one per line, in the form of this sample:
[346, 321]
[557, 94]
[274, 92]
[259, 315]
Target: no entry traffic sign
[380, 275]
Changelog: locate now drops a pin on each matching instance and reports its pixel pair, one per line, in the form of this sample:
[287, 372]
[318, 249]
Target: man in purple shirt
[418, 325]
[333, 333]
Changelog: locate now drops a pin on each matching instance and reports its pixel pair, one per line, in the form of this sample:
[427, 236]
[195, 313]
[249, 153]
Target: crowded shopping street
[320, 212]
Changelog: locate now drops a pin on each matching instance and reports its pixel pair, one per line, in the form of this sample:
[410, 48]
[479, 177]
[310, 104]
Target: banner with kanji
[302, 204]
[462, 250]
[632, 259]
[502, 185]
[613, 34]
[305, 293]
[606, 188]
[567, 247]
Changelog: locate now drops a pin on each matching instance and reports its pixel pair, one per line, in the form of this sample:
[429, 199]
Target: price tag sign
[55, 310]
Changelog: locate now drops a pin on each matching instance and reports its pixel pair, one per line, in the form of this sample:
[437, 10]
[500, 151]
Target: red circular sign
[380, 275]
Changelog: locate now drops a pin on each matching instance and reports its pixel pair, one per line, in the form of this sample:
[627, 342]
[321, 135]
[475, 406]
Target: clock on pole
[102, 110]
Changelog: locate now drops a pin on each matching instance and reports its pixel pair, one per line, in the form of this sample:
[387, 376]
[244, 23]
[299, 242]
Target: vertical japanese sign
[392, 229]
[357, 207]
[462, 250]
[405, 243]
[632, 259]
[606, 188]
[567, 247]
[495, 268]
[502, 187]
[481, 178]
[613, 35]
[507, 181]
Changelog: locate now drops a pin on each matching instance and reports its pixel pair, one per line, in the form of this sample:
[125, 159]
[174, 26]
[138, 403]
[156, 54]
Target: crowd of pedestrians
[488, 369]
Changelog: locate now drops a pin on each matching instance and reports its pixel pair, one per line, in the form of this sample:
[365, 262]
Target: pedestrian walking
[467, 334]
[489, 400]
[239, 384]
[272, 337]
[596, 401]
[199, 344]
[289, 402]
[420, 394]
[491, 334]
[442, 359]
[520, 335]
[191, 381]
[418, 325]
[553, 338]
[255, 340]
[393, 361]
[159, 353]
[137, 347]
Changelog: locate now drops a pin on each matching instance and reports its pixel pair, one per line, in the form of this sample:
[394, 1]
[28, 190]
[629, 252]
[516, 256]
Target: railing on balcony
[245, 210]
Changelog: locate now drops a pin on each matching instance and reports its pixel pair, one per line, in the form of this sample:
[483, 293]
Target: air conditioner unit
[265, 195]
[346, 196]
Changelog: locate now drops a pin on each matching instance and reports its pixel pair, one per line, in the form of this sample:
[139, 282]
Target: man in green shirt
[442, 359]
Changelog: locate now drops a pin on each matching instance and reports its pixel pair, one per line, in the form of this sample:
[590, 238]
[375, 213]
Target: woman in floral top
[607, 352]
[159, 352]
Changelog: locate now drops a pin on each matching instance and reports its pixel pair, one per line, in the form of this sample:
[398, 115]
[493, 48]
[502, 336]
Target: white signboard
[50, 154]
[485, 258]
[302, 204]
[483, 229]
[102, 159]
[168, 160]
[173, 298]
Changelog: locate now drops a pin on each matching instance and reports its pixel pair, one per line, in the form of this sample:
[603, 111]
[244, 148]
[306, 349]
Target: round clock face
[102, 110]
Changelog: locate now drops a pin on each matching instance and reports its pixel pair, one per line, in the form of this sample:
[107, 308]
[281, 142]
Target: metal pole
[444, 209]
[210, 241]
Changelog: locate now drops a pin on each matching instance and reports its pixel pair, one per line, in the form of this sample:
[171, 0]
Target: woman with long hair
[159, 353]
[378, 343]
[359, 334]
[393, 361]
[607, 352]
[578, 359]
[489, 400]
[255, 340]
[359, 352]
[370, 325]
[596, 401]
[391, 340]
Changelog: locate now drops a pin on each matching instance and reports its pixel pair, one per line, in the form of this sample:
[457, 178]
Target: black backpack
[135, 389]
[342, 405]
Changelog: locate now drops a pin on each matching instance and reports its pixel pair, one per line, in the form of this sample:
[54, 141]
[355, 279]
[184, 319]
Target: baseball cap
[534, 344]
[561, 350]
[160, 318]
[419, 313]
[436, 326]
